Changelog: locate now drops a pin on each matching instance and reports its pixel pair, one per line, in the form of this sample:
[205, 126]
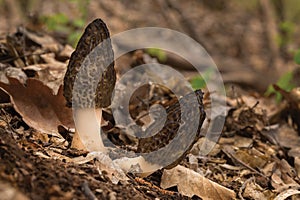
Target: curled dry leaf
[190, 183]
[286, 194]
[38, 106]
[283, 177]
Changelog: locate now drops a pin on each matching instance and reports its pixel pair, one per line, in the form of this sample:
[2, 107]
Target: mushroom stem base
[88, 130]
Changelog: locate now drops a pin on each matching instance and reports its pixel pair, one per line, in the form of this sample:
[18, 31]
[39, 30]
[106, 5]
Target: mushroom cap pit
[95, 34]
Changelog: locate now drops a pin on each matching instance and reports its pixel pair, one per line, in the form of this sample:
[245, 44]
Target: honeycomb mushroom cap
[95, 33]
[186, 138]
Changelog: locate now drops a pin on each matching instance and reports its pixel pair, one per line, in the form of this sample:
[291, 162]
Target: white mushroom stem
[88, 131]
[88, 137]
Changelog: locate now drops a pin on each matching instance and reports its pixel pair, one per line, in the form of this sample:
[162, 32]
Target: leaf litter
[256, 157]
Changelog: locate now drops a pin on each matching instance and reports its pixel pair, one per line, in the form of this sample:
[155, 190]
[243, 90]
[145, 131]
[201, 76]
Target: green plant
[56, 22]
[284, 82]
[71, 27]
[297, 57]
[199, 82]
[159, 53]
[287, 29]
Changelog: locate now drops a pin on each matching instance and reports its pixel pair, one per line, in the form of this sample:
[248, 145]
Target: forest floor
[256, 156]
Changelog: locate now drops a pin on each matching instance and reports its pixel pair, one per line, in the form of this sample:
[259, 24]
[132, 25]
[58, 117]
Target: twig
[87, 191]
[150, 185]
[5, 105]
[230, 153]
[23, 56]
[244, 186]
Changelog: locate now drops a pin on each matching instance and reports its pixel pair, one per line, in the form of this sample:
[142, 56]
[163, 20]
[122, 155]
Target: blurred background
[254, 43]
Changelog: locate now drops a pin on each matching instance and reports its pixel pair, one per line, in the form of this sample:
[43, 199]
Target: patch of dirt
[41, 178]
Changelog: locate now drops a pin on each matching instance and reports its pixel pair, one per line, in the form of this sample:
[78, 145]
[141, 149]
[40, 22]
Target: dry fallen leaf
[288, 137]
[4, 97]
[283, 176]
[287, 193]
[293, 101]
[47, 42]
[38, 106]
[12, 72]
[48, 74]
[104, 163]
[190, 183]
[254, 191]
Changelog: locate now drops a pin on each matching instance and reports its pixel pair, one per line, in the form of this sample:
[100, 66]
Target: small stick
[87, 191]
[244, 186]
[5, 105]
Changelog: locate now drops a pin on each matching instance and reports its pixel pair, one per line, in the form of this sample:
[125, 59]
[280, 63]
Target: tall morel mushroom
[91, 91]
[87, 93]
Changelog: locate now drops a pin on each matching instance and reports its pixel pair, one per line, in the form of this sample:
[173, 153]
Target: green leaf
[79, 23]
[287, 26]
[199, 82]
[297, 57]
[159, 53]
[56, 21]
[285, 82]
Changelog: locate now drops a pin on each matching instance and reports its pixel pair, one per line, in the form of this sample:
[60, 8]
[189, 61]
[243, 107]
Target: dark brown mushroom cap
[99, 58]
[182, 140]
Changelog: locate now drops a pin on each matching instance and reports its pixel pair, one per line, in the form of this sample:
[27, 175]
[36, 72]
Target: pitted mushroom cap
[95, 61]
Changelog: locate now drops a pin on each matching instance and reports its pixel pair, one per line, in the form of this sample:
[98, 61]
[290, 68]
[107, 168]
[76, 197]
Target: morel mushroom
[84, 98]
[87, 102]
[88, 93]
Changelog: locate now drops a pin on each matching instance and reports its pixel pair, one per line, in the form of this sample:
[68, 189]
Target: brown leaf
[253, 191]
[48, 74]
[287, 193]
[38, 106]
[47, 42]
[289, 138]
[12, 72]
[4, 97]
[191, 183]
[293, 100]
[284, 176]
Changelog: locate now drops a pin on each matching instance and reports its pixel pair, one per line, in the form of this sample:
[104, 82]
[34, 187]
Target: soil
[40, 178]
